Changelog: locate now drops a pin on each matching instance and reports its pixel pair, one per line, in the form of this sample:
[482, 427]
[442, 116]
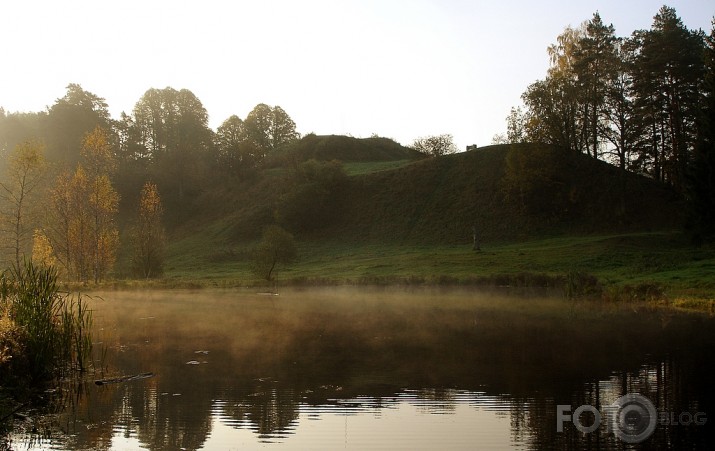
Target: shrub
[580, 284]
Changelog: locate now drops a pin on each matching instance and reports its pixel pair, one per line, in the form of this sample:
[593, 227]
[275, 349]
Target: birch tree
[25, 172]
[148, 236]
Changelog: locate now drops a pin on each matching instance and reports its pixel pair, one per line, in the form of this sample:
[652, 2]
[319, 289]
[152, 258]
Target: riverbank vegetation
[44, 333]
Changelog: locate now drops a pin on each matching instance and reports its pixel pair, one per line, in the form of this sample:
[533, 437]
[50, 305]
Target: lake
[372, 368]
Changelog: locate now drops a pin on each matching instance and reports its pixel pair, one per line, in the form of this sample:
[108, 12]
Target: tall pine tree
[701, 186]
[668, 71]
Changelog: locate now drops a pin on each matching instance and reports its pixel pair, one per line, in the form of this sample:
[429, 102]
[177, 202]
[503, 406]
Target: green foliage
[35, 307]
[276, 247]
[171, 127]
[631, 101]
[269, 128]
[72, 116]
[435, 146]
[701, 177]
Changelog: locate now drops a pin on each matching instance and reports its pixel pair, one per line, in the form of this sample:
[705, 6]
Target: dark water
[384, 369]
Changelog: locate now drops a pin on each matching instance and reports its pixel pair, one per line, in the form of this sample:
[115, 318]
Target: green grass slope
[508, 192]
[517, 192]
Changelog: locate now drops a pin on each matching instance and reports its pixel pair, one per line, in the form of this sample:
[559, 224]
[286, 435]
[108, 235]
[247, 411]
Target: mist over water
[361, 368]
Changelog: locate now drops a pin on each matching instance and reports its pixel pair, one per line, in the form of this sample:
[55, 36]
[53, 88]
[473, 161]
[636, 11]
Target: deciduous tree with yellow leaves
[148, 236]
[85, 204]
[24, 173]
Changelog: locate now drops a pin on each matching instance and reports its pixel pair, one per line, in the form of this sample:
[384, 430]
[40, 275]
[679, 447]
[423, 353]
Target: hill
[540, 212]
[508, 192]
[343, 148]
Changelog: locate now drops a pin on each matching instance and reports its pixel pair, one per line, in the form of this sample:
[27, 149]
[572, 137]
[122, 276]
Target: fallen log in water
[118, 380]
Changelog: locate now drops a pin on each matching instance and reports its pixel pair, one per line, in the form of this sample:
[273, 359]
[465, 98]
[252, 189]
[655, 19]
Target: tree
[668, 71]
[148, 235]
[103, 206]
[515, 126]
[269, 128]
[103, 201]
[258, 126]
[552, 115]
[42, 252]
[173, 128]
[595, 68]
[234, 150]
[554, 108]
[84, 205]
[69, 119]
[282, 128]
[79, 245]
[701, 178]
[25, 172]
[61, 219]
[436, 145]
[17, 128]
[277, 246]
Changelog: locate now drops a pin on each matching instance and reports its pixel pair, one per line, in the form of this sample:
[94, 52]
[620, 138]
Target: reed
[54, 327]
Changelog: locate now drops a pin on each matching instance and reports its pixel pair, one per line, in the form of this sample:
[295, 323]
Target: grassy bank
[661, 264]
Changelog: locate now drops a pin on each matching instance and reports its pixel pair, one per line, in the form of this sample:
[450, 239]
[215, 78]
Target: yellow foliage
[27, 157]
[97, 153]
[85, 205]
[148, 235]
[9, 338]
[42, 253]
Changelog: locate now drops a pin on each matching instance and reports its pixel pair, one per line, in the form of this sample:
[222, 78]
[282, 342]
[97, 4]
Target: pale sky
[398, 68]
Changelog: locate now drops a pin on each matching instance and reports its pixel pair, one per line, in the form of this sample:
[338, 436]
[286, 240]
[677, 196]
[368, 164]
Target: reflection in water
[363, 369]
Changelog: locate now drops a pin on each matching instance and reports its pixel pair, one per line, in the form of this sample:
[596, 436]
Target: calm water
[382, 369]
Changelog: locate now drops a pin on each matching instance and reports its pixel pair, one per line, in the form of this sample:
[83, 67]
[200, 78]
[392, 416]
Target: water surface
[357, 368]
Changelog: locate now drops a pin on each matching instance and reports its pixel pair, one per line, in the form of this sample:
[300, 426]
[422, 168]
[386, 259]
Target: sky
[402, 69]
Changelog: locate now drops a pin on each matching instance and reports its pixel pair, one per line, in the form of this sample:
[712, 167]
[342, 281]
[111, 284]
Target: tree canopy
[632, 101]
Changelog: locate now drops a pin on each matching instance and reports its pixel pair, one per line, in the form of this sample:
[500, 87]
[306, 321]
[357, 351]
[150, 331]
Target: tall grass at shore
[45, 332]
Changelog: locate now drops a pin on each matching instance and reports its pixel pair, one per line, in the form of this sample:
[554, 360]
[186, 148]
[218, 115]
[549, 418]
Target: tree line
[68, 171]
[643, 103]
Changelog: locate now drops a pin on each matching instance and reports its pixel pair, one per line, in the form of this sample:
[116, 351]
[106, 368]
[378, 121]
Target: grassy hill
[508, 192]
[538, 210]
